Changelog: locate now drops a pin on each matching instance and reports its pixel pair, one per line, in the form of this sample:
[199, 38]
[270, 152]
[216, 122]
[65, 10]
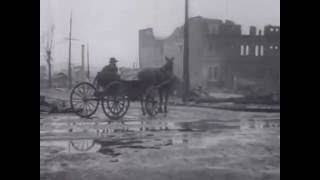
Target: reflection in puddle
[111, 138]
[260, 124]
[110, 146]
[73, 146]
[107, 129]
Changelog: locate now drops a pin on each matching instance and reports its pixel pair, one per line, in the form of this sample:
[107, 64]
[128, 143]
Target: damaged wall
[220, 55]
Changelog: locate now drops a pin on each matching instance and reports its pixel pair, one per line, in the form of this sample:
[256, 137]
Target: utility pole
[186, 82]
[69, 64]
[88, 65]
[82, 59]
[49, 58]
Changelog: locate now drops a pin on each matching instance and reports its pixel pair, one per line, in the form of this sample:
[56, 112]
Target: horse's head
[168, 67]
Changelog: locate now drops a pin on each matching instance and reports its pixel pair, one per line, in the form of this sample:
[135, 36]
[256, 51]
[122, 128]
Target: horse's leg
[161, 99]
[142, 107]
[166, 101]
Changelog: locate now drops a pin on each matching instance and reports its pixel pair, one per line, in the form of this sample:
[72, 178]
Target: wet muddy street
[188, 143]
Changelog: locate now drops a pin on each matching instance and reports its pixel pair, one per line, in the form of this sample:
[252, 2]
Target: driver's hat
[113, 60]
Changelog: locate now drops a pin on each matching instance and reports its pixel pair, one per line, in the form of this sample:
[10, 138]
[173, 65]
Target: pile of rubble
[56, 106]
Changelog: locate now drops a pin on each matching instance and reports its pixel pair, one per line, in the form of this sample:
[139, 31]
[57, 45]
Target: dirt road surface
[189, 143]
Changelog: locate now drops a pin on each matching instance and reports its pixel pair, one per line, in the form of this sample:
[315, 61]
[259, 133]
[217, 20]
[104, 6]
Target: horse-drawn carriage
[116, 95]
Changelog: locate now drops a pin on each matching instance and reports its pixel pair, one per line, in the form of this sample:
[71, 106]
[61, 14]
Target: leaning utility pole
[186, 82]
[88, 65]
[82, 59]
[69, 64]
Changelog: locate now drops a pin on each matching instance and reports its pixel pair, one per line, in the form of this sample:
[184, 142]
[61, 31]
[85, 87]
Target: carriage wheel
[83, 101]
[152, 101]
[82, 145]
[115, 103]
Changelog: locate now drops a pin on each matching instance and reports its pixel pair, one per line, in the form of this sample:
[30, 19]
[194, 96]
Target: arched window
[257, 50]
[247, 50]
[261, 50]
[241, 50]
[213, 73]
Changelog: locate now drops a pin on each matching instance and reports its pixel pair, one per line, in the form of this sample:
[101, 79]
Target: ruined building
[221, 56]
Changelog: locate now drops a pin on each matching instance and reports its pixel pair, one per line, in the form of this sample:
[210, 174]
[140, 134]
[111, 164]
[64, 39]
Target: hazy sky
[111, 26]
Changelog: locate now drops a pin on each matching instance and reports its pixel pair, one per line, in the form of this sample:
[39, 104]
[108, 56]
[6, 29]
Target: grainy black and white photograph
[160, 89]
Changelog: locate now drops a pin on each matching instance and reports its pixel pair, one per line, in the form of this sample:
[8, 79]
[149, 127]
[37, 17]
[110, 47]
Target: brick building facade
[221, 56]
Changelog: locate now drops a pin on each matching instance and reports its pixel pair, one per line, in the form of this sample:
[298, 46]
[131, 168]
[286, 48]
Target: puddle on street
[260, 124]
[112, 138]
[209, 125]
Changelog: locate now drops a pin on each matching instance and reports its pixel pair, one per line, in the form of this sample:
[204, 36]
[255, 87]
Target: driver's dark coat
[111, 68]
[108, 74]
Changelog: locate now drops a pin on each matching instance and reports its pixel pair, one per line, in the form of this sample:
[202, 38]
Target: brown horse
[155, 76]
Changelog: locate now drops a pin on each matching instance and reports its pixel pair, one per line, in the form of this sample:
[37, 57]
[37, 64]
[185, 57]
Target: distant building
[78, 74]
[60, 80]
[220, 55]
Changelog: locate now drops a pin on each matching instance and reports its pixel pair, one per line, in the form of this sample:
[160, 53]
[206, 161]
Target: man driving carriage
[112, 67]
[151, 88]
[108, 74]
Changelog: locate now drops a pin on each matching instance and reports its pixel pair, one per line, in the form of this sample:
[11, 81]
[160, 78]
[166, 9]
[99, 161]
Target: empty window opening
[257, 50]
[247, 50]
[213, 73]
[241, 50]
[261, 50]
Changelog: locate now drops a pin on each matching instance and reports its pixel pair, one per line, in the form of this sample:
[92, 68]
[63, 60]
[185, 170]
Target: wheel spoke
[83, 89]
[152, 102]
[81, 106]
[84, 109]
[114, 108]
[78, 105]
[118, 109]
[79, 90]
[81, 145]
[89, 107]
[78, 94]
[77, 100]
[86, 89]
[90, 92]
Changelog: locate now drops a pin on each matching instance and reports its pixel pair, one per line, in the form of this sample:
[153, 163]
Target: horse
[155, 76]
